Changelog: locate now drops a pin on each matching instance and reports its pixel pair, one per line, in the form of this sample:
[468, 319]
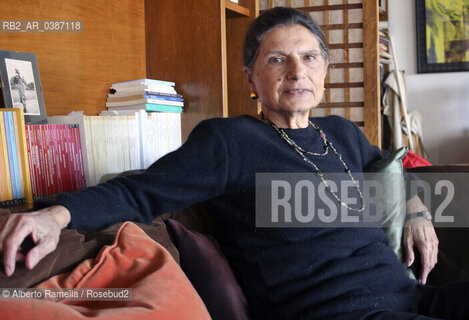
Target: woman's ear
[326, 70]
[248, 75]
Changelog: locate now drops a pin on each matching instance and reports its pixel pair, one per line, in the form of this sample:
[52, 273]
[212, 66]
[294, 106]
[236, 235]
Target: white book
[140, 101]
[175, 131]
[144, 81]
[138, 89]
[134, 144]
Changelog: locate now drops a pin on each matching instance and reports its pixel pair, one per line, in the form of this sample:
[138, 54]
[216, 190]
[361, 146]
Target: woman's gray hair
[271, 19]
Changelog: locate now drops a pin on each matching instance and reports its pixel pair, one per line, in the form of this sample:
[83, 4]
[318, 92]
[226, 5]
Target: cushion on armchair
[207, 268]
[159, 288]
[389, 173]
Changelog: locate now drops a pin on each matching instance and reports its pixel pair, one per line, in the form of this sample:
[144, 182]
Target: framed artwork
[442, 35]
[21, 85]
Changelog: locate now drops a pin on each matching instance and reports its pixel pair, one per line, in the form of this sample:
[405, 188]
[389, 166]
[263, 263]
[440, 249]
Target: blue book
[149, 107]
[15, 156]
[158, 97]
[6, 121]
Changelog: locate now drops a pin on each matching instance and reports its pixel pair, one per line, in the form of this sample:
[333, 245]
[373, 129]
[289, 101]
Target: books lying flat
[140, 95]
[144, 101]
[141, 88]
[144, 82]
[156, 96]
[149, 107]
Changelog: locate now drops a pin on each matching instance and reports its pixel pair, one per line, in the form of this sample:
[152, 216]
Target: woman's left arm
[419, 233]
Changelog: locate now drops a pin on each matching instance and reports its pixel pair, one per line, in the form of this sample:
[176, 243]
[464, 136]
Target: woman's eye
[275, 60]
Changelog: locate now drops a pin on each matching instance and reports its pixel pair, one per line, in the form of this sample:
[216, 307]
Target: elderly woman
[286, 273]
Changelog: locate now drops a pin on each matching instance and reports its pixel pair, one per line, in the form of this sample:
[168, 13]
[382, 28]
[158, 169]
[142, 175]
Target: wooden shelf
[236, 9]
[146, 39]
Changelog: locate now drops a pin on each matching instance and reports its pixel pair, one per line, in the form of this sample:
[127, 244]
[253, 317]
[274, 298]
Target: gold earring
[254, 96]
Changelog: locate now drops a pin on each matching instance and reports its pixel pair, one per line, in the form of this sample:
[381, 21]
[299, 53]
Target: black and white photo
[21, 85]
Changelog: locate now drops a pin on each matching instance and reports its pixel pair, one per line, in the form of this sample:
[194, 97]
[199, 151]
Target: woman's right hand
[43, 226]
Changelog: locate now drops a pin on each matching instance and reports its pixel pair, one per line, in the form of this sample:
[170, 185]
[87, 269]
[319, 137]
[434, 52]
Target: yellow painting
[447, 31]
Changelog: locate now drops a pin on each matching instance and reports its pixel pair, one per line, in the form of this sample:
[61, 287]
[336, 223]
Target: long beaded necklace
[327, 145]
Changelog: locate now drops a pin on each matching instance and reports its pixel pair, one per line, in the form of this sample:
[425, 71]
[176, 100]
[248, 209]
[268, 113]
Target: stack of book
[144, 94]
[15, 183]
[385, 57]
[55, 159]
[115, 143]
[384, 52]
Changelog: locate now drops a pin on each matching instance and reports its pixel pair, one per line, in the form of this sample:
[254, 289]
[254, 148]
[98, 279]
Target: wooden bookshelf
[77, 69]
[236, 9]
[200, 50]
[197, 44]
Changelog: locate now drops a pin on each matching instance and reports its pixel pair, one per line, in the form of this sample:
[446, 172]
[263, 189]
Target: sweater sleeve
[196, 172]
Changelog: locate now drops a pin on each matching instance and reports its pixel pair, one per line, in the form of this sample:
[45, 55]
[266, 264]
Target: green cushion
[390, 174]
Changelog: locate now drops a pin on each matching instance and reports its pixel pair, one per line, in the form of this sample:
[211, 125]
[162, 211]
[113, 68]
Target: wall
[441, 98]
[76, 69]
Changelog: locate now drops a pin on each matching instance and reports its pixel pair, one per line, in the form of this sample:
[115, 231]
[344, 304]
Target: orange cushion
[160, 289]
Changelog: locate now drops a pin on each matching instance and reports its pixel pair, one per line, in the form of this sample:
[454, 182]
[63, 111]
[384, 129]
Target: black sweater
[288, 273]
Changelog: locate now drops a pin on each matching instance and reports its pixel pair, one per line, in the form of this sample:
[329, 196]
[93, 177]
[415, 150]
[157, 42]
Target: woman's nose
[295, 69]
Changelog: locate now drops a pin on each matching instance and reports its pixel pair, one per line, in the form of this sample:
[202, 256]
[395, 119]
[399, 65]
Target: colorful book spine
[23, 151]
[80, 167]
[146, 96]
[5, 191]
[41, 147]
[10, 140]
[64, 158]
[30, 159]
[112, 104]
[15, 184]
[162, 108]
[18, 156]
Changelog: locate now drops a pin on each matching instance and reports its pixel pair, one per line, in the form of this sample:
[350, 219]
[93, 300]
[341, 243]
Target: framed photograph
[21, 85]
[442, 35]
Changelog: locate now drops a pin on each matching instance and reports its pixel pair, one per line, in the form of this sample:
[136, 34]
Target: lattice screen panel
[347, 81]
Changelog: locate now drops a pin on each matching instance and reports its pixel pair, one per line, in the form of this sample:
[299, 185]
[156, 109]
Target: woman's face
[289, 72]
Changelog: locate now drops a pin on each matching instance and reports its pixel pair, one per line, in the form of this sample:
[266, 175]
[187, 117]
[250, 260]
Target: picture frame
[442, 42]
[21, 85]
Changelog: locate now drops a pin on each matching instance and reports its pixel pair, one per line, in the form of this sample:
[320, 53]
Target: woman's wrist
[59, 214]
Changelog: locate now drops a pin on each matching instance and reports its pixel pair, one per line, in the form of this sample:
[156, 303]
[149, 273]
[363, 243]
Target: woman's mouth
[297, 91]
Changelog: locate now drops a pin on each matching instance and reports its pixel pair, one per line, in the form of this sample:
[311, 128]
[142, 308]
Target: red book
[54, 165]
[45, 158]
[60, 162]
[50, 160]
[34, 160]
[27, 129]
[72, 158]
[80, 167]
[66, 176]
[41, 173]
